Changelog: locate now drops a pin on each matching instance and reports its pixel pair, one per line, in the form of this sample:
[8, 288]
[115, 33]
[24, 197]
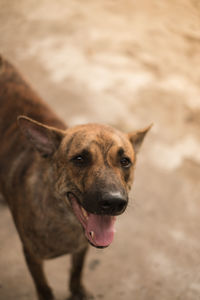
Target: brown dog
[64, 187]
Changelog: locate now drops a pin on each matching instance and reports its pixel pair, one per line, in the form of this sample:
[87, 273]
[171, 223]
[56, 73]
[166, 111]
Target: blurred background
[126, 63]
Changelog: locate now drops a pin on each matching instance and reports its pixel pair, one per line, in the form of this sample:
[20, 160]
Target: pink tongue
[100, 229]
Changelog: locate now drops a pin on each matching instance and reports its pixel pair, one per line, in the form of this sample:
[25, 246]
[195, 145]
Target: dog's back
[17, 98]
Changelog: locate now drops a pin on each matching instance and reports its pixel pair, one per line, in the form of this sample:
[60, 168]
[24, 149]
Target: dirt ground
[125, 63]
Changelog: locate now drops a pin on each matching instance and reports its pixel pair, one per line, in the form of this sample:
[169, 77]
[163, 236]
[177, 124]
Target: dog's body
[63, 186]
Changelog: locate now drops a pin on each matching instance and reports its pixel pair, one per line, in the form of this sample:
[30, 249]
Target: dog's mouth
[99, 229]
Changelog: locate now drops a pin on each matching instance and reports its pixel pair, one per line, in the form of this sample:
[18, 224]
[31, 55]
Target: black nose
[112, 203]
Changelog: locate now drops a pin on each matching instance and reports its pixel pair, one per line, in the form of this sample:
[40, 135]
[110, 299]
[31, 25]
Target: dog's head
[94, 166]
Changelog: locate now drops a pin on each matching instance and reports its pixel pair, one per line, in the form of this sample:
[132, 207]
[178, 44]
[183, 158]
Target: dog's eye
[79, 160]
[125, 162]
[82, 159]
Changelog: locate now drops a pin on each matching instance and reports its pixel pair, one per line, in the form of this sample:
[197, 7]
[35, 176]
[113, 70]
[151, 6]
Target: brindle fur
[37, 171]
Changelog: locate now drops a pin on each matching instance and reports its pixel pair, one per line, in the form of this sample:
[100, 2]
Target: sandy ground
[125, 63]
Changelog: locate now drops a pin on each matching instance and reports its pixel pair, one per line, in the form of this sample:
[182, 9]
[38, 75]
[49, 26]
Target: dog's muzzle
[97, 214]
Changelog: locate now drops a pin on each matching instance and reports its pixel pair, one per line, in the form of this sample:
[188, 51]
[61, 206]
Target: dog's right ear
[44, 138]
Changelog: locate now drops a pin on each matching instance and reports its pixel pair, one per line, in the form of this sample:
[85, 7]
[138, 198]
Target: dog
[64, 186]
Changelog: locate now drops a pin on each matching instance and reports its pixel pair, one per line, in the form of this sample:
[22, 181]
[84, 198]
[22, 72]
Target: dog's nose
[112, 203]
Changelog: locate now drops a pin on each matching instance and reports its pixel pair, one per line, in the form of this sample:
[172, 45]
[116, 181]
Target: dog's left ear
[44, 139]
[136, 138]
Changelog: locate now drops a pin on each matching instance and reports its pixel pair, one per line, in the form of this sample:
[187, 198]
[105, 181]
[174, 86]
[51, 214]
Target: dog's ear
[136, 138]
[44, 138]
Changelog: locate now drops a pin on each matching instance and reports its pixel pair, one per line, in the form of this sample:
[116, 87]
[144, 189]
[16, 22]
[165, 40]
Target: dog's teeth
[84, 213]
[92, 234]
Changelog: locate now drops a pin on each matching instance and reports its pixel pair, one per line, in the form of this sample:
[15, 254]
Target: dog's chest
[51, 237]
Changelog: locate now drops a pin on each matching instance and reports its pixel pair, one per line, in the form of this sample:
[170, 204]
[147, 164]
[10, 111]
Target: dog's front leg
[78, 292]
[36, 269]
